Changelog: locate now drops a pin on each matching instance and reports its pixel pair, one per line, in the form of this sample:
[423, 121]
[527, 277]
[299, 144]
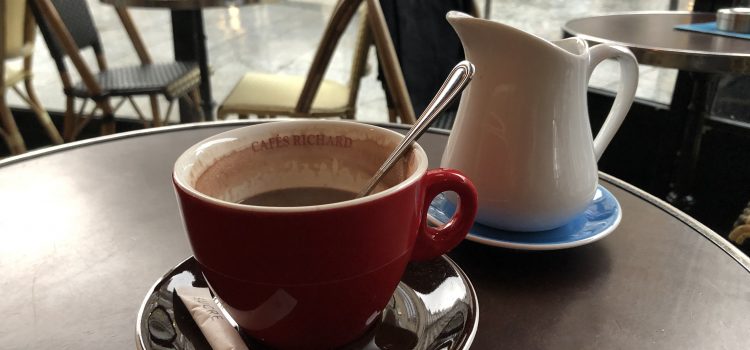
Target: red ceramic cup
[312, 277]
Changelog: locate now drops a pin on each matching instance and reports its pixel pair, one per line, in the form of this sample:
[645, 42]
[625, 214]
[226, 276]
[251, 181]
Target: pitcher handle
[625, 90]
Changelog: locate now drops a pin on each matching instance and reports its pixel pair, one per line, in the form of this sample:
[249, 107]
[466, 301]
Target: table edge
[694, 224]
[178, 4]
[704, 230]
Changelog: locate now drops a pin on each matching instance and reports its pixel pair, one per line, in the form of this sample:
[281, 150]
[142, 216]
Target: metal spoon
[456, 81]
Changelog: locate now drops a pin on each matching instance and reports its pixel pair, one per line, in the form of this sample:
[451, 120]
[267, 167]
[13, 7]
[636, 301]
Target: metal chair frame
[68, 38]
[18, 43]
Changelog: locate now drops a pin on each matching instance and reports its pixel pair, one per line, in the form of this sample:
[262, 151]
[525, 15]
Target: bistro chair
[270, 95]
[17, 33]
[68, 28]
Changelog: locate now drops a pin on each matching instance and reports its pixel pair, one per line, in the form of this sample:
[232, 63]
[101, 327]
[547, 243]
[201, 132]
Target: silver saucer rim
[465, 343]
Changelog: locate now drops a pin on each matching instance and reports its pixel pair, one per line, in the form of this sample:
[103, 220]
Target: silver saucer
[434, 307]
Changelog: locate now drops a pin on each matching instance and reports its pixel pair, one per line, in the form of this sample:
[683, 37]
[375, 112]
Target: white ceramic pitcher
[522, 131]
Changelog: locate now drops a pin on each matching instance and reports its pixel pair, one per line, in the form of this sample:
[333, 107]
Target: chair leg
[75, 122]
[190, 103]
[392, 115]
[9, 130]
[155, 113]
[195, 96]
[108, 118]
[137, 111]
[220, 115]
[41, 113]
[169, 111]
[69, 124]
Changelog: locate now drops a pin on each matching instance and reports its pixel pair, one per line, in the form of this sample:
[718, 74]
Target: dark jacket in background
[426, 45]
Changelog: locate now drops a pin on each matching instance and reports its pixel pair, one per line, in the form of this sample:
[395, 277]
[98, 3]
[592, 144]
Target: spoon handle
[456, 81]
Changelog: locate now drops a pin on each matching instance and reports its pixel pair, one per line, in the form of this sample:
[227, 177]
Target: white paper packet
[217, 330]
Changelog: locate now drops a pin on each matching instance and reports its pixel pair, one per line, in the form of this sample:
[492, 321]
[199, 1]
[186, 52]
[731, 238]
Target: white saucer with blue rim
[599, 219]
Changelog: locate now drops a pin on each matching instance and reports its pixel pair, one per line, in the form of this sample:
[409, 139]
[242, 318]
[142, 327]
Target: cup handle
[625, 90]
[433, 242]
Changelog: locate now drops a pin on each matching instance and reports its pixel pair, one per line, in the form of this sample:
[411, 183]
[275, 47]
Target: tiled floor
[281, 37]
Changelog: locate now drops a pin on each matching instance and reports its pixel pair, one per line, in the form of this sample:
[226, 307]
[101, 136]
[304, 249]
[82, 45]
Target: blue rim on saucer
[599, 219]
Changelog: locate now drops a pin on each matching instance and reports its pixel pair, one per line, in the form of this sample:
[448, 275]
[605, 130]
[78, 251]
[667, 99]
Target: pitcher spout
[481, 34]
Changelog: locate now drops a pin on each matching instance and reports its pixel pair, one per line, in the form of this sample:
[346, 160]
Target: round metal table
[703, 57]
[86, 228]
[654, 41]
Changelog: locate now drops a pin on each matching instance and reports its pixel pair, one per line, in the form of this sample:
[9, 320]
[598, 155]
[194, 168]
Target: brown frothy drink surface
[343, 157]
[299, 197]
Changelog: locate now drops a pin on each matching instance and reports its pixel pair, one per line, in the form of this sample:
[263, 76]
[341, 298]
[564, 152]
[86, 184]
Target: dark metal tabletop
[654, 41]
[86, 228]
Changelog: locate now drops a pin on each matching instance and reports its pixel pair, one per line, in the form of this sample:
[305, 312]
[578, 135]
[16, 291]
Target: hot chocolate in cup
[312, 272]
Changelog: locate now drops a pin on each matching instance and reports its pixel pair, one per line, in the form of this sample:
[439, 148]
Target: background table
[86, 228]
[189, 39]
[654, 41]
